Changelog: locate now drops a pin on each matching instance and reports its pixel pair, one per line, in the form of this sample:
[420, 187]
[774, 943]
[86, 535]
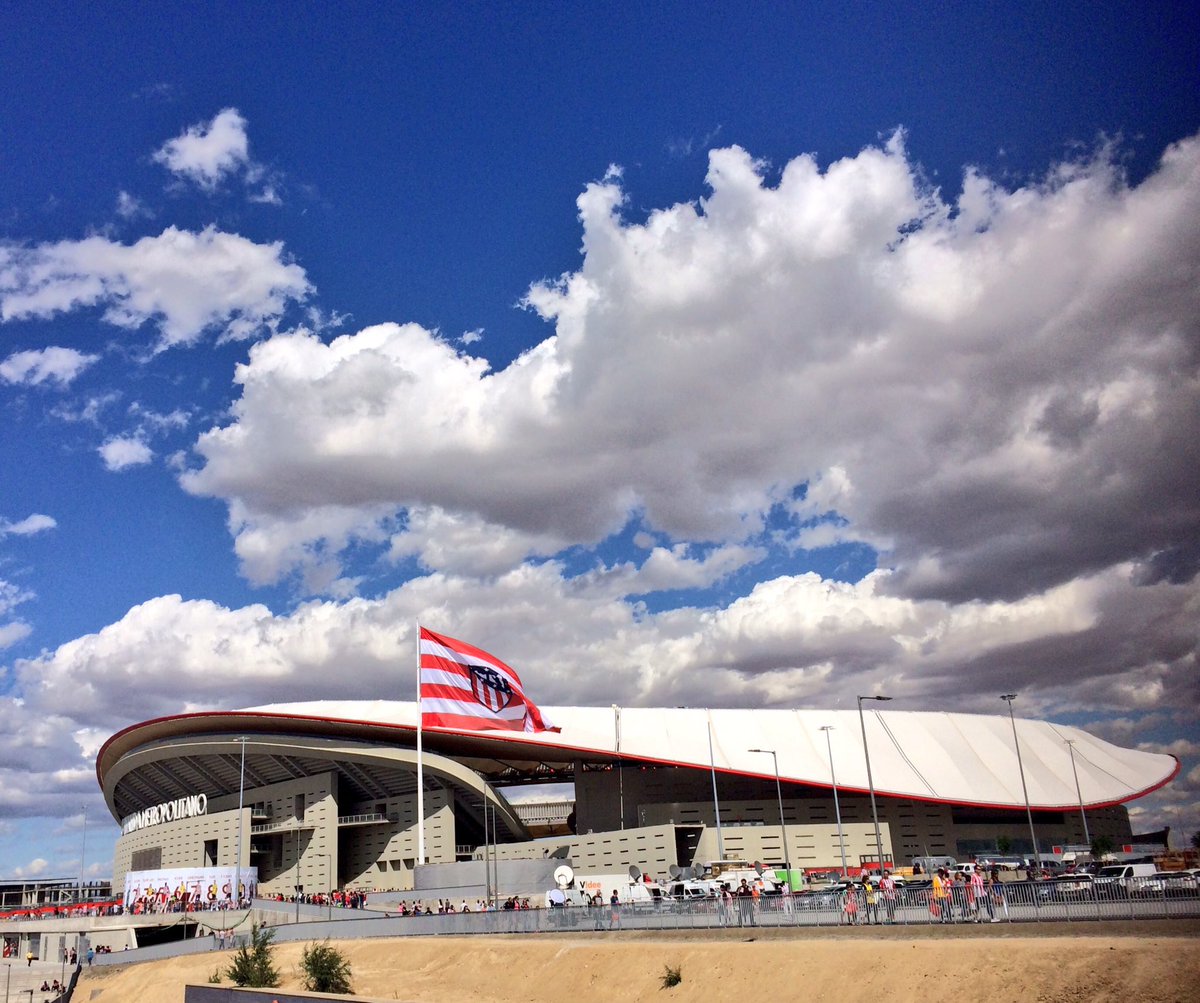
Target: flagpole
[420, 763]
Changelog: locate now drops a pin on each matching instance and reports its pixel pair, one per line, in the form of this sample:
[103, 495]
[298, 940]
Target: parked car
[1068, 887]
[1171, 884]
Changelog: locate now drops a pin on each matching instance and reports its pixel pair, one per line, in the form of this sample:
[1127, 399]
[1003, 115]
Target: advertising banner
[186, 889]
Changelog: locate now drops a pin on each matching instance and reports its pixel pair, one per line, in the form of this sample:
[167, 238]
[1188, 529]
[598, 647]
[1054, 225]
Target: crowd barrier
[1008, 902]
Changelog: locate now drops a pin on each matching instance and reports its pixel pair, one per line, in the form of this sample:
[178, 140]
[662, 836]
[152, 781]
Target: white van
[930, 864]
[1122, 879]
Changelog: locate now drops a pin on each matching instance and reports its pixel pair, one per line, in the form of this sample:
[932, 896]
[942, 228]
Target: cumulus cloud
[987, 389]
[122, 452]
[185, 283]
[45, 365]
[206, 153]
[997, 392]
[791, 641]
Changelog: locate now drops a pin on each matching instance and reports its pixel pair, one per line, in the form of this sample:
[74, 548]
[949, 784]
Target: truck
[629, 891]
[732, 872]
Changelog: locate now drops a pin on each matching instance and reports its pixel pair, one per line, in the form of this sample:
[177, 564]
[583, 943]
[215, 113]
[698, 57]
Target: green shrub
[215, 978]
[671, 977]
[326, 969]
[252, 964]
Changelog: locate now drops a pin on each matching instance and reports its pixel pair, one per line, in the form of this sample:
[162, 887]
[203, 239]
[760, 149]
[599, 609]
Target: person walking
[745, 904]
[850, 905]
[887, 887]
[943, 906]
[979, 892]
[871, 915]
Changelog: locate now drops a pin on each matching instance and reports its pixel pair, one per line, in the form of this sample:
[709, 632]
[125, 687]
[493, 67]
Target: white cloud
[14, 630]
[676, 568]
[465, 544]
[185, 283]
[35, 523]
[130, 207]
[122, 452]
[989, 388]
[53, 364]
[791, 641]
[581, 640]
[208, 152]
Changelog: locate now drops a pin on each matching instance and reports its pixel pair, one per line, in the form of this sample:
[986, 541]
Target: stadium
[325, 795]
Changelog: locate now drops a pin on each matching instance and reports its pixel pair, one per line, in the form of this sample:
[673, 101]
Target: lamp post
[1078, 793]
[787, 860]
[620, 771]
[1009, 698]
[870, 780]
[82, 855]
[837, 810]
[237, 867]
[716, 803]
[328, 884]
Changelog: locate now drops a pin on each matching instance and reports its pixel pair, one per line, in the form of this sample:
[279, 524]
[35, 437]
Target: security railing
[1006, 902]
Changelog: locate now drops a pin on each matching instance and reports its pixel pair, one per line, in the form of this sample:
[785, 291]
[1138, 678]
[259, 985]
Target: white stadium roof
[966, 759]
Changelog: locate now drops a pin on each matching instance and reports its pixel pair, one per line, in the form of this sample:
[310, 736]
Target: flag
[465, 688]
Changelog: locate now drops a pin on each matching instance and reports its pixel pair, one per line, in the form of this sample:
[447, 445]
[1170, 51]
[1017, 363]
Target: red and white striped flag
[465, 688]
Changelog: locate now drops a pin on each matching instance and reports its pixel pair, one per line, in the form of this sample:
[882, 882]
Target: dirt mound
[903, 967]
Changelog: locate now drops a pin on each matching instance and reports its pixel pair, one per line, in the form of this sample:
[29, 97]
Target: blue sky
[775, 354]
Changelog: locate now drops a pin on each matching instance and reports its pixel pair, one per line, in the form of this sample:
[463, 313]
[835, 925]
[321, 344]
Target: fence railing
[1008, 902]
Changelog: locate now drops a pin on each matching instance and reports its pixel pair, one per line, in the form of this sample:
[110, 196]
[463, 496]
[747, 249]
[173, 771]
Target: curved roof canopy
[967, 759]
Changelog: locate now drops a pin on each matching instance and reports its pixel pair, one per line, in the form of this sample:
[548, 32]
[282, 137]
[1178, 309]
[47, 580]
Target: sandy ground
[1139, 963]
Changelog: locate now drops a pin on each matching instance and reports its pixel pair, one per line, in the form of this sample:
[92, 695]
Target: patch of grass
[215, 978]
[671, 977]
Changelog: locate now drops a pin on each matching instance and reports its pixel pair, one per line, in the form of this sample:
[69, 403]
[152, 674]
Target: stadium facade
[328, 790]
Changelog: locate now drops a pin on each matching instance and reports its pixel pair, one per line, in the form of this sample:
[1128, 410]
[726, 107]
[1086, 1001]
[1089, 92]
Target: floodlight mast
[237, 867]
[1078, 792]
[837, 810]
[787, 860]
[1009, 698]
[870, 780]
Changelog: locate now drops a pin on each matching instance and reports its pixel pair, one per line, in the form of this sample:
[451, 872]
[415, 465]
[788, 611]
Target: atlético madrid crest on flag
[466, 689]
[490, 688]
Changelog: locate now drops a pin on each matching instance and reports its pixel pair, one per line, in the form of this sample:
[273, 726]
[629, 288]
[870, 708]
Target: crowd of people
[958, 897]
[348, 899]
[445, 907]
[106, 908]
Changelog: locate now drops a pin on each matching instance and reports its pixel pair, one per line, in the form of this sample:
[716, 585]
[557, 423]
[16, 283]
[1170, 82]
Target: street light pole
[1078, 793]
[328, 884]
[787, 860]
[237, 867]
[837, 810]
[1009, 698]
[870, 780]
[82, 854]
[716, 802]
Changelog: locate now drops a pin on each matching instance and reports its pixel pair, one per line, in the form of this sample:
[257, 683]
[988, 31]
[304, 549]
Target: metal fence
[1010, 902]
[1007, 902]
